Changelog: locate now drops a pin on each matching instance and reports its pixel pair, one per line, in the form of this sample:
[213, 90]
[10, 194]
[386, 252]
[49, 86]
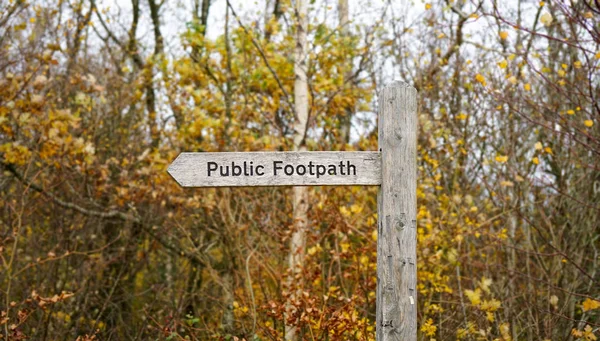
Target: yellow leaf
[535, 160]
[588, 123]
[512, 80]
[428, 328]
[554, 300]
[505, 330]
[461, 116]
[427, 6]
[485, 284]
[590, 304]
[344, 211]
[503, 35]
[356, 208]
[548, 150]
[503, 64]
[589, 333]
[577, 65]
[480, 79]
[364, 260]
[474, 296]
[597, 55]
[501, 158]
[546, 19]
[527, 87]
[538, 146]
[491, 305]
[561, 73]
[571, 112]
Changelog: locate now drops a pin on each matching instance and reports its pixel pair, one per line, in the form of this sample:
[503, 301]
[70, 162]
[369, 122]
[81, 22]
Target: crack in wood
[389, 284]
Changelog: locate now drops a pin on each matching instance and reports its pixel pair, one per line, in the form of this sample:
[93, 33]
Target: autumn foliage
[97, 242]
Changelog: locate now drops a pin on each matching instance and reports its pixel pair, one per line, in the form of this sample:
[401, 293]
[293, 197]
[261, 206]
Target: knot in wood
[399, 225]
[398, 134]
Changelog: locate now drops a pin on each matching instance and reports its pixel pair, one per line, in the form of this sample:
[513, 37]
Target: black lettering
[320, 170]
[246, 169]
[353, 169]
[276, 166]
[310, 168]
[258, 170]
[212, 166]
[332, 170]
[303, 169]
[251, 168]
[342, 168]
[235, 167]
[291, 168]
[226, 173]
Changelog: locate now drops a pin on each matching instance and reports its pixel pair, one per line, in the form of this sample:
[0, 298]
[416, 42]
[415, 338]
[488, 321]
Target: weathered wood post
[393, 168]
[397, 214]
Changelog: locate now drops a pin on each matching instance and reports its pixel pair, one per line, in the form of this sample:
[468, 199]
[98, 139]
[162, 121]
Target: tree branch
[264, 58]
[104, 215]
[112, 214]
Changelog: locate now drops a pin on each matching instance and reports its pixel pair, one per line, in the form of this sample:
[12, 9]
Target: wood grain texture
[397, 210]
[191, 169]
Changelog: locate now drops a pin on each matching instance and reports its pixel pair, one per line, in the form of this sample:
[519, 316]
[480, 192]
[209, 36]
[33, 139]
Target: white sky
[406, 13]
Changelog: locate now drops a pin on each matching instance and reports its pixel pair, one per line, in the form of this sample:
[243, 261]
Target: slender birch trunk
[346, 120]
[298, 240]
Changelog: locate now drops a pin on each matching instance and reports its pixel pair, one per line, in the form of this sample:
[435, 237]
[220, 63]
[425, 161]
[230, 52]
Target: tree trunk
[158, 53]
[276, 15]
[227, 321]
[346, 120]
[298, 240]
[200, 14]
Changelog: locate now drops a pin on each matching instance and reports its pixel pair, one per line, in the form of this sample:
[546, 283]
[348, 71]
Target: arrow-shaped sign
[276, 169]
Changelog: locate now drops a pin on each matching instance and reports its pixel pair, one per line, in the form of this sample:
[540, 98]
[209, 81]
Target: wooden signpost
[393, 167]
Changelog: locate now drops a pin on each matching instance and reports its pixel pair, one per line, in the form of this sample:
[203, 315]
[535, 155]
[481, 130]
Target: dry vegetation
[97, 242]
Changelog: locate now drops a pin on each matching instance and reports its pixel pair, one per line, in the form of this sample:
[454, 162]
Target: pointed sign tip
[172, 170]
